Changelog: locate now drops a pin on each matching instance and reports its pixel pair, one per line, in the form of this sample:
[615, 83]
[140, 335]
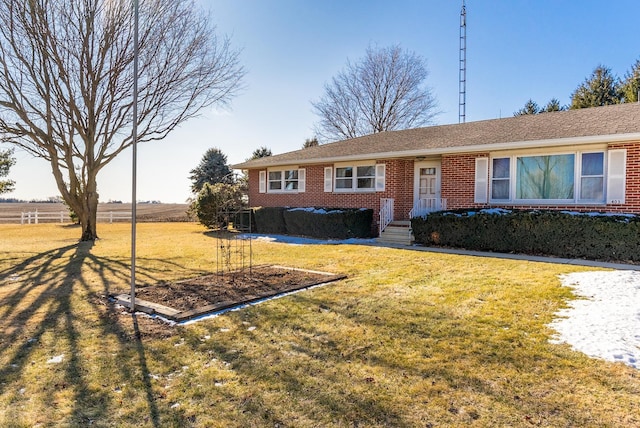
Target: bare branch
[66, 80]
[382, 92]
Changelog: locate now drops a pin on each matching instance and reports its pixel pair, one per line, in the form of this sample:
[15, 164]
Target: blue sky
[516, 50]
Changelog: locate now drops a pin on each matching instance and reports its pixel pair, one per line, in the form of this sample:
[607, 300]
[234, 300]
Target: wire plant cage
[233, 244]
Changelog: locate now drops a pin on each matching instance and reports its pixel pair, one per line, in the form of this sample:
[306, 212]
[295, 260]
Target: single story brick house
[580, 160]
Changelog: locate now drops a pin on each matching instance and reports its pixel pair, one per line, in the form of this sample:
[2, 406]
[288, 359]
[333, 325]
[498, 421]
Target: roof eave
[555, 142]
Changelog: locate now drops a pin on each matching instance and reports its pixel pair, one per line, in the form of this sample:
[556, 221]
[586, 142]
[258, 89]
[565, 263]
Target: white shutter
[481, 188]
[380, 172]
[302, 175]
[328, 182]
[263, 182]
[616, 176]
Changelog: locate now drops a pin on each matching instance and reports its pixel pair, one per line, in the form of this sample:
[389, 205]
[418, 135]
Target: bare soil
[212, 292]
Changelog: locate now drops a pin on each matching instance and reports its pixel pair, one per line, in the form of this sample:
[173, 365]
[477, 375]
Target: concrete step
[396, 234]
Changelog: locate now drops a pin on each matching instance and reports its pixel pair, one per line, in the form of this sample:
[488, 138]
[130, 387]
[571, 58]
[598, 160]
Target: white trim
[380, 177]
[577, 153]
[555, 142]
[354, 179]
[616, 176]
[328, 178]
[416, 177]
[262, 188]
[481, 187]
[283, 179]
[302, 180]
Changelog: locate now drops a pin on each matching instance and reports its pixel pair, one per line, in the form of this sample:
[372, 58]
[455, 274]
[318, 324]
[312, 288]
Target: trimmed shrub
[214, 202]
[594, 236]
[336, 223]
[269, 220]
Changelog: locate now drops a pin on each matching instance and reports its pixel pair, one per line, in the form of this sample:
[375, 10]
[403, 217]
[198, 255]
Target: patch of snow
[56, 360]
[253, 327]
[495, 211]
[317, 210]
[598, 214]
[606, 323]
[175, 405]
[298, 240]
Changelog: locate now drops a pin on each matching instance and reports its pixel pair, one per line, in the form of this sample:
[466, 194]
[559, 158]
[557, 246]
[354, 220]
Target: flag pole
[134, 156]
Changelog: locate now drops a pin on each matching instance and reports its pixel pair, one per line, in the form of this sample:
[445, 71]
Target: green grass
[409, 339]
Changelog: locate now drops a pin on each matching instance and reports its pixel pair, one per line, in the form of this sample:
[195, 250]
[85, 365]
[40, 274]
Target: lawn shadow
[55, 300]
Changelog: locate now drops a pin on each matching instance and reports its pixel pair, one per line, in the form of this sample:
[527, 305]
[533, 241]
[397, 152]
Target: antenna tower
[462, 84]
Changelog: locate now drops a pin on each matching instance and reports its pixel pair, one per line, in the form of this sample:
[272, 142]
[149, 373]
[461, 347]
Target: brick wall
[458, 184]
[398, 185]
[458, 180]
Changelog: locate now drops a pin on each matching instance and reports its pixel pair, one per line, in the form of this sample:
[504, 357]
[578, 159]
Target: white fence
[35, 217]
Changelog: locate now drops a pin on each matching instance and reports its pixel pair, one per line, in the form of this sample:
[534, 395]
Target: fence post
[110, 217]
[36, 216]
[22, 217]
[61, 217]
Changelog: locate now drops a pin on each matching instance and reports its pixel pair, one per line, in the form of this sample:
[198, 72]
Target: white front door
[426, 187]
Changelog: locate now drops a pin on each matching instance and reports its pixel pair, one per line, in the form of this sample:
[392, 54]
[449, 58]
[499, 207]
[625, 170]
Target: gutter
[555, 142]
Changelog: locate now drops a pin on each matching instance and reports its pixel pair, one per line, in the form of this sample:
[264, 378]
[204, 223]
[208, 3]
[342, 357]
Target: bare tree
[66, 82]
[383, 91]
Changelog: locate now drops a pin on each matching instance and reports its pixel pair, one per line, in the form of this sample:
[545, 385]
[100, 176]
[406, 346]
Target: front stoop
[397, 232]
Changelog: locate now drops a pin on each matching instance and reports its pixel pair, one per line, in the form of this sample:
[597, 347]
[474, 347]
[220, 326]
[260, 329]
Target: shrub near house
[556, 233]
[315, 222]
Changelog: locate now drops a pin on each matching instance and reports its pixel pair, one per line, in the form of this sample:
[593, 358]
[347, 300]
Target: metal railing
[386, 213]
[426, 206]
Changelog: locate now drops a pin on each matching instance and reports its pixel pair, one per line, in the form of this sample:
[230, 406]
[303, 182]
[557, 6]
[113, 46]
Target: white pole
[135, 155]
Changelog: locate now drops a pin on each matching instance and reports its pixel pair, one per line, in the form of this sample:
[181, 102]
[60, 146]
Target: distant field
[11, 212]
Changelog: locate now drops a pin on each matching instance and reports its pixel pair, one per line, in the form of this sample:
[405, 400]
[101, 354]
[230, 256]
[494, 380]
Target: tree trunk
[88, 218]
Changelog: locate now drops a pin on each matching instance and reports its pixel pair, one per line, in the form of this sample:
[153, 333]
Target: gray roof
[619, 122]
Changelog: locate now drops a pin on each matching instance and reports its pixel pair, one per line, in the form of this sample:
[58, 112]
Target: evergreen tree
[600, 89]
[530, 107]
[552, 105]
[213, 168]
[261, 152]
[310, 142]
[631, 84]
[6, 162]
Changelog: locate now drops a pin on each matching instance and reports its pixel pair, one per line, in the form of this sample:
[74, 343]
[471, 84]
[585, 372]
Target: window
[289, 180]
[545, 177]
[564, 177]
[592, 177]
[344, 178]
[500, 178]
[275, 180]
[358, 178]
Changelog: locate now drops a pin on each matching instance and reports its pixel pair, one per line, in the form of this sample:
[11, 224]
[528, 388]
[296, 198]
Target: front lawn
[409, 339]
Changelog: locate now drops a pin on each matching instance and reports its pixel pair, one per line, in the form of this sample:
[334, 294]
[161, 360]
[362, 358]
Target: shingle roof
[557, 128]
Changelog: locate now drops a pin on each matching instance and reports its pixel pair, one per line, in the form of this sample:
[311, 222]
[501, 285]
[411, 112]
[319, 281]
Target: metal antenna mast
[462, 85]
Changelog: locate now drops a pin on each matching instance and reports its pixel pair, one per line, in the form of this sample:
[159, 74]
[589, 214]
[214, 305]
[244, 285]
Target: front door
[427, 187]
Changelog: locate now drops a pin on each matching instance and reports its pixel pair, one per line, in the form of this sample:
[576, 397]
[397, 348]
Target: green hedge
[592, 236]
[269, 220]
[335, 223]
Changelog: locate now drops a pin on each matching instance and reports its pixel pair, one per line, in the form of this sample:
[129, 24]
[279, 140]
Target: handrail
[386, 213]
[427, 205]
